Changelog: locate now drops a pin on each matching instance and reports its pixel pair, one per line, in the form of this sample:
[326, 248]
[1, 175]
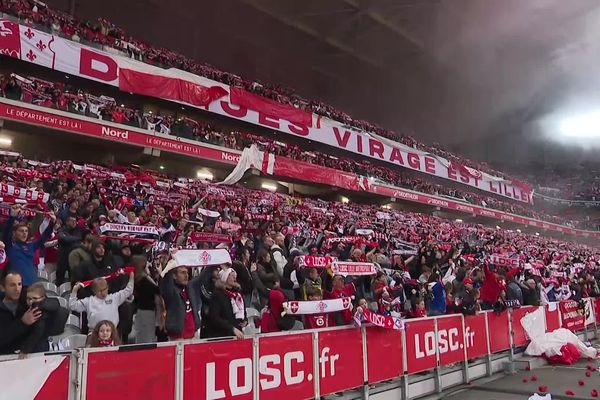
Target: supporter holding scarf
[227, 313]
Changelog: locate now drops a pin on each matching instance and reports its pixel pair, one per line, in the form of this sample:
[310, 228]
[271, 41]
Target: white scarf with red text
[317, 307]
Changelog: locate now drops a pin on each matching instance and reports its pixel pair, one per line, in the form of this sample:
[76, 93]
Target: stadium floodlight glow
[518, 231]
[458, 220]
[161, 167]
[586, 126]
[269, 186]
[204, 175]
[345, 200]
[5, 142]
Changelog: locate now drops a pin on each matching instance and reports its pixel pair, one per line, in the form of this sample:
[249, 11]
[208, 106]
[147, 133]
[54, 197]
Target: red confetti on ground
[594, 393]
[581, 383]
[528, 368]
[588, 373]
[543, 388]
[533, 378]
[590, 367]
[524, 380]
[569, 393]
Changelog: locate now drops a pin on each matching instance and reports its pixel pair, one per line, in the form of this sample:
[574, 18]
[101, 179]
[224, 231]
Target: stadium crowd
[67, 98]
[108, 235]
[106, 34]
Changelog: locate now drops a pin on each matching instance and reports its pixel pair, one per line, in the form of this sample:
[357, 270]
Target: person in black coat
[69, 237]
[227, 312]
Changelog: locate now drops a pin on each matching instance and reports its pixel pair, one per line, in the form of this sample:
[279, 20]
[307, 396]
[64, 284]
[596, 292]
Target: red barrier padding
[340, 360]
[131, 375]
[420, 345]
[597, 309]
[56, 386]
[286, 367]
[384, 354]
[519, 336]
[450, 340]
[218, 370]
[475, 336]
[499, 332]
[552, 319]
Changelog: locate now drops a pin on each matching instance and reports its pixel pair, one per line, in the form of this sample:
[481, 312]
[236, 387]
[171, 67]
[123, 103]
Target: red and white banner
[209, 237]
[37, 371]
[130, 229]
[572, 317]
[381, 321]
[209, 213]
[59, 120]
[346, 268]
[199, 258]
[129, 75]
[317, 306]
[316, 261]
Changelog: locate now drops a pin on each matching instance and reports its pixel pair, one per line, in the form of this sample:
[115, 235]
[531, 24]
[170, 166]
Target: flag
[10, 42]
[36, 47]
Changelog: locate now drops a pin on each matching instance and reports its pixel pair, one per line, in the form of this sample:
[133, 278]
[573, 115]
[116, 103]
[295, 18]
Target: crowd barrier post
[437, 373]
[256, 368]
[404, 365]
[466, 378]
[316, 375]
[179, 372]
[488, 360]
[511, 354]
[363, 334]
[81, 384]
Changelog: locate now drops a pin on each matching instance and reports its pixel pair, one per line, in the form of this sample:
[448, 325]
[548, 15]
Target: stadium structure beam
[311, 32]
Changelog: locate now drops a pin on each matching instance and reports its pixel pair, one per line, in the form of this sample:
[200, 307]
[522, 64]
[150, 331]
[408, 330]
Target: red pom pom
[528, 368]
[533, 378]
[594, 393]
[569, 393]
[524, 380]
[543, 389]
[581, 383]
[588, 373]
[590, 368]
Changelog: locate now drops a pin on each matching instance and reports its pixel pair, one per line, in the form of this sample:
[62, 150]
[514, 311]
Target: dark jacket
[13, 331]
[514, 291]
[78, 256]
[221, 319]
[267, 274]
[96, 269]
[175, 306]
[531, 297]
[20, 254]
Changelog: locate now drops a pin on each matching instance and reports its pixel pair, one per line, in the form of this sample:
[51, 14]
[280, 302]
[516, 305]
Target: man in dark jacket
[81, 254]
[182, 302]
[19, 251]
[101, 264]
[69, 237]
[15, 319]
[531, 293]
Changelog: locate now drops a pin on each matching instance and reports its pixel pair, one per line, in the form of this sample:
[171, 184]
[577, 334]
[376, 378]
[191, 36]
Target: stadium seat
[51, 289]
[298, 326]
[64, 303]
[43, 276]
[53, 277]
[73, 325]
[72, 342]
[250, 330]
[64, 290]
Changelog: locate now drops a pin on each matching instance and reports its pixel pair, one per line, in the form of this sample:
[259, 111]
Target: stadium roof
[452, 71]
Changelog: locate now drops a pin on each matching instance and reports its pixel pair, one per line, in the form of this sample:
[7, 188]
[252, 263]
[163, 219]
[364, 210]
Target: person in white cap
[227, 312]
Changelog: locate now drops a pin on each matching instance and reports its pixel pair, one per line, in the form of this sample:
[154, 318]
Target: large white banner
[74, 58]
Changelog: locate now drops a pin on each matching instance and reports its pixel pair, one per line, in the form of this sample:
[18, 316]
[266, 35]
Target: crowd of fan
[105, 33]
[425, 265]
[64, 97]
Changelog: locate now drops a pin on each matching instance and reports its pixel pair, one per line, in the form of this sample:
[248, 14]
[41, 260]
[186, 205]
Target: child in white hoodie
[101, 306]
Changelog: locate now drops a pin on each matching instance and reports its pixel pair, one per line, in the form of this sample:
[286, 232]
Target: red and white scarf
[112, 275]
[130, 229]
[345, 268]
[317, 307]
[382, 321]
[237, 304]
[316, 261]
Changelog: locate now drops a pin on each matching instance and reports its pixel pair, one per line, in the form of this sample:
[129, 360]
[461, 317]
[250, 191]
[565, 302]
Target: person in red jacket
[315, 321]
[338, 291]
[490, 290]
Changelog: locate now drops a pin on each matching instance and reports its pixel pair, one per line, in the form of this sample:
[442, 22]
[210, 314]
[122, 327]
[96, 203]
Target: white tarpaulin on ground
[550, 343]
[34, 370]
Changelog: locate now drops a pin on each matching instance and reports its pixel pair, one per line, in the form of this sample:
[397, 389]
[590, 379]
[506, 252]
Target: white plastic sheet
[549, 344]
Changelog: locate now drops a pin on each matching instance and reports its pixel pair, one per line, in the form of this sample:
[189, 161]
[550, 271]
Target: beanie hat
[224, 274]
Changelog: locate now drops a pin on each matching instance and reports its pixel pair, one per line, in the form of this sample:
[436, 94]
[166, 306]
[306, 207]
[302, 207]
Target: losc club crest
[322, 306]
[204, 258]
[294, 307]
[346, 302]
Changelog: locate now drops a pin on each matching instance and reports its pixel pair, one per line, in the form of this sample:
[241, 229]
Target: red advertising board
[218, 370]
[499, 332]
[340, 360]
[421, 345]
[139, 374]
[475, 336]
[450, 339]
[597, 309]
[56, 386]
[384, 354]
[519, 336]
[571, 317]
[286, 367]
[552, 318]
